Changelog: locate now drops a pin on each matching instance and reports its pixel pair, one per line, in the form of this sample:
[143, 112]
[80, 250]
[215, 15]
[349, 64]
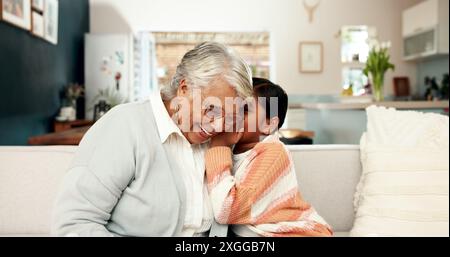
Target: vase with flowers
[378, 63]
[72, 93]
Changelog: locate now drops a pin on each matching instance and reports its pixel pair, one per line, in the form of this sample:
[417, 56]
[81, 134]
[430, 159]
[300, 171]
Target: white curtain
[145, 80]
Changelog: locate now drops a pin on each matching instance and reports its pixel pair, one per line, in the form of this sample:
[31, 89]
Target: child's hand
[226, 139]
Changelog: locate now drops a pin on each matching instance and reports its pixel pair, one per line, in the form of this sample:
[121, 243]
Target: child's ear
[274, 122]
[271, 126]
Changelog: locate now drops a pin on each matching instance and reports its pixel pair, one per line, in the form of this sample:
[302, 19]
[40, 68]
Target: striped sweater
[260, 193]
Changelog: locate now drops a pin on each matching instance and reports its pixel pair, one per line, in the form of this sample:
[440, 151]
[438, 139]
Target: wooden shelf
[60, 126]
[68, 137]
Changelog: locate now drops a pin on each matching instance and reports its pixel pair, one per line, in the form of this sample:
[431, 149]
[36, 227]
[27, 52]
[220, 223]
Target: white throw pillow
[405, 183]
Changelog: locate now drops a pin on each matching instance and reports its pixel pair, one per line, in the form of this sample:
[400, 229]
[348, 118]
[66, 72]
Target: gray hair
[207, 62]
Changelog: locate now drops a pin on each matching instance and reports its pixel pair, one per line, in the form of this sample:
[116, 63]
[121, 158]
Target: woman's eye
[210, 108]
[213, 111]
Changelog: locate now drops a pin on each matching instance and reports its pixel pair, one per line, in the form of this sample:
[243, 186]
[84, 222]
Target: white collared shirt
[199, 214]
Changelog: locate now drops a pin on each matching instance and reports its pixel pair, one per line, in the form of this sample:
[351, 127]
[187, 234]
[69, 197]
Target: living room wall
[33, 72]
[286, 21]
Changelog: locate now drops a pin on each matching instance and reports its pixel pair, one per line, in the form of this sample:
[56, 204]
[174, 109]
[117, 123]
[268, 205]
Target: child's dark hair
[265, 88]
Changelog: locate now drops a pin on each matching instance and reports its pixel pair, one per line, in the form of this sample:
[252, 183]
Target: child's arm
[232, 202]
[222, 185]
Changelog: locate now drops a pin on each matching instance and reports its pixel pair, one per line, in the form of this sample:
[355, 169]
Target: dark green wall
[33, 71]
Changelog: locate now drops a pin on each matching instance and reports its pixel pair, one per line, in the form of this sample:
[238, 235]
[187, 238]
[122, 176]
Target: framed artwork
[38, 5]
[16, 12]
[37, 24]
[51, 13]
[311, 57]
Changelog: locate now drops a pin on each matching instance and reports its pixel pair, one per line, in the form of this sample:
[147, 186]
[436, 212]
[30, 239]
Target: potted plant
[71, 94]
[378, 63]
[105, 100]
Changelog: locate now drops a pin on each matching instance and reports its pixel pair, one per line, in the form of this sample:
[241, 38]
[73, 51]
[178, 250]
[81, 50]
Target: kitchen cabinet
[425, 30]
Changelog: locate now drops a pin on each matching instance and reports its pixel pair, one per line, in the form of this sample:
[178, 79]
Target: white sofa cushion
[29, 178]
[327, 176]
[404, 187]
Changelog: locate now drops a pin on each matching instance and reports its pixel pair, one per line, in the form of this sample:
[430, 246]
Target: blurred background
[63, 64]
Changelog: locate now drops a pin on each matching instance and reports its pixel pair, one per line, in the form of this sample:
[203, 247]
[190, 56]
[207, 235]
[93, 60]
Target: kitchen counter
[335, 122]
[411, 105]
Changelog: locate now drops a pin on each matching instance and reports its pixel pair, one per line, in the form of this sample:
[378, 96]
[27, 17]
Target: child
[256, 188]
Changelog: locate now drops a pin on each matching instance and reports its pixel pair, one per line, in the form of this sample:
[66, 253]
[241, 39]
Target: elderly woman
[139, 171]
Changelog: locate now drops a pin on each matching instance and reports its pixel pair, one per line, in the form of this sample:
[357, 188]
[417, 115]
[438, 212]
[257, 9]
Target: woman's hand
[226, 139]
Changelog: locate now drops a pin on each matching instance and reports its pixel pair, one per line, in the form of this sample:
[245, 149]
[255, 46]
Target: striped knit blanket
[262, 195]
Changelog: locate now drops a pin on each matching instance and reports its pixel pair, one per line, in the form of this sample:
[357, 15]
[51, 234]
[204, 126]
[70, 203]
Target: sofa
[30, 178]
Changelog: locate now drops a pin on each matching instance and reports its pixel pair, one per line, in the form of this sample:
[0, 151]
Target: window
[171, 46]
[354, 77]
[354, 53]
[157, 54]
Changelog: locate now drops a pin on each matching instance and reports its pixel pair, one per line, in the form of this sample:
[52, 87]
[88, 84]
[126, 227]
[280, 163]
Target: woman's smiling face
[203, 110]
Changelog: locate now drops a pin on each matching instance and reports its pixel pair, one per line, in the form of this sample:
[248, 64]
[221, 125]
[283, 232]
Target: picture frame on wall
[37, 24]
[16, 12]
[51, 16]
[311, 57]
[38, 5]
